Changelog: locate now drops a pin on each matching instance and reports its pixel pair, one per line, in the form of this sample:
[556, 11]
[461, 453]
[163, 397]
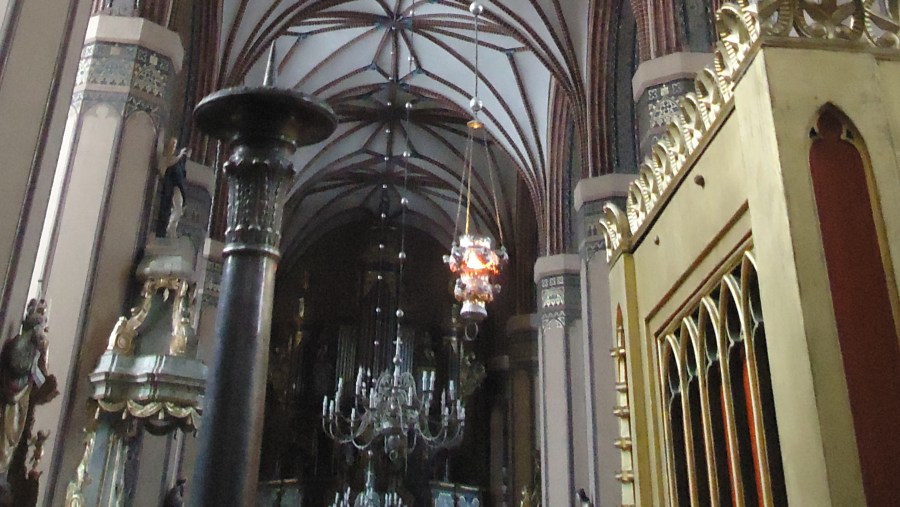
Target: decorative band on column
[560, 300]
[658, 86]
[257, 179]
[591, 196]
[130, 76]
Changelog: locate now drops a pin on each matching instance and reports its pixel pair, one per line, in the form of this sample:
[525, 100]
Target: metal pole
[263, 127]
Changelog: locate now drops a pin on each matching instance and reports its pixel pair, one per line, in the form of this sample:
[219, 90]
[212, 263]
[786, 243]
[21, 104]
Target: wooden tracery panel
[722, 441]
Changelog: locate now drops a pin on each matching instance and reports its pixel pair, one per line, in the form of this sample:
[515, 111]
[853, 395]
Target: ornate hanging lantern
[472, 256]
[477, 264]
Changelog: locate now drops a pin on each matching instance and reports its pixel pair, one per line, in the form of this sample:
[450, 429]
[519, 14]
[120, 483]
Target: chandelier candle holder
[369, 497]
[394, 408]
[262, 127]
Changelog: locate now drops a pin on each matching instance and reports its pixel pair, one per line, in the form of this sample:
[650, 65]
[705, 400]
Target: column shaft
[564, 453]
[602, 429]
[230, 443]
[521, 331]
[236, 387]
[39, 47]
[97, 221]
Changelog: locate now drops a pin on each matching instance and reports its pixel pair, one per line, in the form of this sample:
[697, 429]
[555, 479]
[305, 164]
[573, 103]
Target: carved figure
[24, 378]
[38, 452]
[171, 203]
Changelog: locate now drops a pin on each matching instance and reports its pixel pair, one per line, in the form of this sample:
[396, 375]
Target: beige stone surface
[33, 104]
[756, 190]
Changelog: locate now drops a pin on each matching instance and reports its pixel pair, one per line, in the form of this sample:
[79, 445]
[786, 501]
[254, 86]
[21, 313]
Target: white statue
[174, 176]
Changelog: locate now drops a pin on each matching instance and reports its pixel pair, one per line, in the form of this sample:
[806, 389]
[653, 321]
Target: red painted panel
[862, 306]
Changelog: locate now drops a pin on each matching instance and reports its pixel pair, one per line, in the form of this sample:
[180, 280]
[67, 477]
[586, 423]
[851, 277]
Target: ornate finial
[271, 71]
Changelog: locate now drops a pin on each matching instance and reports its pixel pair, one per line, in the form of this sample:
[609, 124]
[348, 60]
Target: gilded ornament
[75, 489]
[739, 27]
[121, 339]
[162, 410]
[614, 227]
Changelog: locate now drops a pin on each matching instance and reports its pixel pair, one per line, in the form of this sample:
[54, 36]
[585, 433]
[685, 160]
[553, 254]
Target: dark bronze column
[263, 126]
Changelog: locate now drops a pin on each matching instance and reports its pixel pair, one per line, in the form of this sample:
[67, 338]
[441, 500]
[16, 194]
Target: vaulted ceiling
[369, 58]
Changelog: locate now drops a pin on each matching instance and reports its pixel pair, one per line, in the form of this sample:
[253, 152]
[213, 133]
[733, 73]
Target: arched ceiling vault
[369, 58]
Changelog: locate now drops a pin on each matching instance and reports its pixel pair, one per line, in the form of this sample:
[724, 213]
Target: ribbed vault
[369, 58]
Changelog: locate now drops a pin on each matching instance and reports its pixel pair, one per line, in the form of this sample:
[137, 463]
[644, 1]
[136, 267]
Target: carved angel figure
[24, 378]
[174, 177]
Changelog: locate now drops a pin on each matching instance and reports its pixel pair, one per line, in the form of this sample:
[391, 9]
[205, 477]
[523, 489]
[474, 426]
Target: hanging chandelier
[392, 408]
[472, 257]
[389, 408]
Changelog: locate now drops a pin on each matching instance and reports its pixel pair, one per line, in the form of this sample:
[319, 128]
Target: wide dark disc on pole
[265, 112]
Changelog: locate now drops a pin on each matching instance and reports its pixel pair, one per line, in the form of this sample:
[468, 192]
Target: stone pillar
[500, 441]
[521, 332]
[39, 45]
[209, 271]
[99, 213]
[657, 85]
[564, 450]
[602, 428]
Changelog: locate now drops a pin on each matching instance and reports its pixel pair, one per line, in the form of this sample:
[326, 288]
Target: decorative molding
[212, 282]
[121, 339]
[188, 416]
[591, 196]
[864, 22]
[560, 297]
[128, 76]
[124, 104]
[124, 66]
[615, 230]
[592, 247]
[75, 490]
[739, 25]
[148, 378]
[661, 102]
[257, 181]
[622, 410]
[553, 320]
[149, 368]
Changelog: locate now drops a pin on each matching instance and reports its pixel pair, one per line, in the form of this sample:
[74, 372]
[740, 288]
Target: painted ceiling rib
[520, 85]
[368, 58]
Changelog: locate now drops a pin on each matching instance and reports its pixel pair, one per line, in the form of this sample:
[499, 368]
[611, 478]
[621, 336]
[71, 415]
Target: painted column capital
[558, 279]
[590, 196]
[129, 63]
[657, 85]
